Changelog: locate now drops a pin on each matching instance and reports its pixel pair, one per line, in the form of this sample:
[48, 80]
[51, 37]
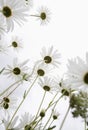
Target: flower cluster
[40, 79]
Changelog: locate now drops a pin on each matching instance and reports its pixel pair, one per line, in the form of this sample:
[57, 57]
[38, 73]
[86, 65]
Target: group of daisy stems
[78, 102]
[71, 86]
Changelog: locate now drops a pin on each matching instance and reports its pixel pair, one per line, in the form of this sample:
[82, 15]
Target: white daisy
[26, 122]
[50, 56]
[43, 15]
[12, 126]
[16, 43]
[17, 70]
[47, 84]
[8, 103]
[78, 73]
[13, 11]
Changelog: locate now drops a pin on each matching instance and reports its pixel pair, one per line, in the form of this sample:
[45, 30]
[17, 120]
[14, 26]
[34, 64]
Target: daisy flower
[12, 126]
[26, 122]
[40, 70]
[43, 15]
[16, 43]
[12, 11]
[47, 84]
[50, 56]
[8, 103]
[55, 115]
[78, 73]
[17, 70]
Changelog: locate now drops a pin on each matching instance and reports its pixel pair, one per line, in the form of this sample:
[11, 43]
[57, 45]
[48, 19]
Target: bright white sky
[67, 31]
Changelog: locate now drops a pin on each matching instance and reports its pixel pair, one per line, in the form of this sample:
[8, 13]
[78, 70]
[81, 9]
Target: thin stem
[50, 104]
[85, 124]
[41, 103]
[51, 123]
[10, 87]
[47, 121]
[35, 15]
[21, 102]
[64, 118]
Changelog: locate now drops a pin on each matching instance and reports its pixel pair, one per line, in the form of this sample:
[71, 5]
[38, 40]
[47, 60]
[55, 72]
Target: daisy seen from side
[43, 15]
[77, 74]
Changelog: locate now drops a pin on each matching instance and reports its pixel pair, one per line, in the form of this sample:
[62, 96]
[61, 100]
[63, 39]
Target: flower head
[13, 11]
[8, 103]
[16, 43]
[55, 115]
[47, 84]
[17, 70]
[50, 56]
[26, 122]
[78, 73]
[43, 15]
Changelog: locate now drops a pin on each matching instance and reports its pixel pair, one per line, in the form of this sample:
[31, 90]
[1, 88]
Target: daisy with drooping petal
[16, 43]
[43, 15]
[13, 11]
[50, 56]
[17, 70]
[78, 73]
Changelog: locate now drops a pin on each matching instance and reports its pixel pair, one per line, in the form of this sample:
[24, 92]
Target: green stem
[21, 102]
[64, 118]
[85, 124]
[41, 104]
[10, 87]
[35, 15]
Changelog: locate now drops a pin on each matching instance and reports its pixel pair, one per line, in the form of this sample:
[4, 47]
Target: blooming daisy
[43, 15]
[78, 73]
[26, 122]
[8, 103]
[40, 70]
[17, 70]
[12, 126]
[16, 43]
[50, 56]
[13, 11]
[47, 84]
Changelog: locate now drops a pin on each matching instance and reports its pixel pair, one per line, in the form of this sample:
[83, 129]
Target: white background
[67, 31]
